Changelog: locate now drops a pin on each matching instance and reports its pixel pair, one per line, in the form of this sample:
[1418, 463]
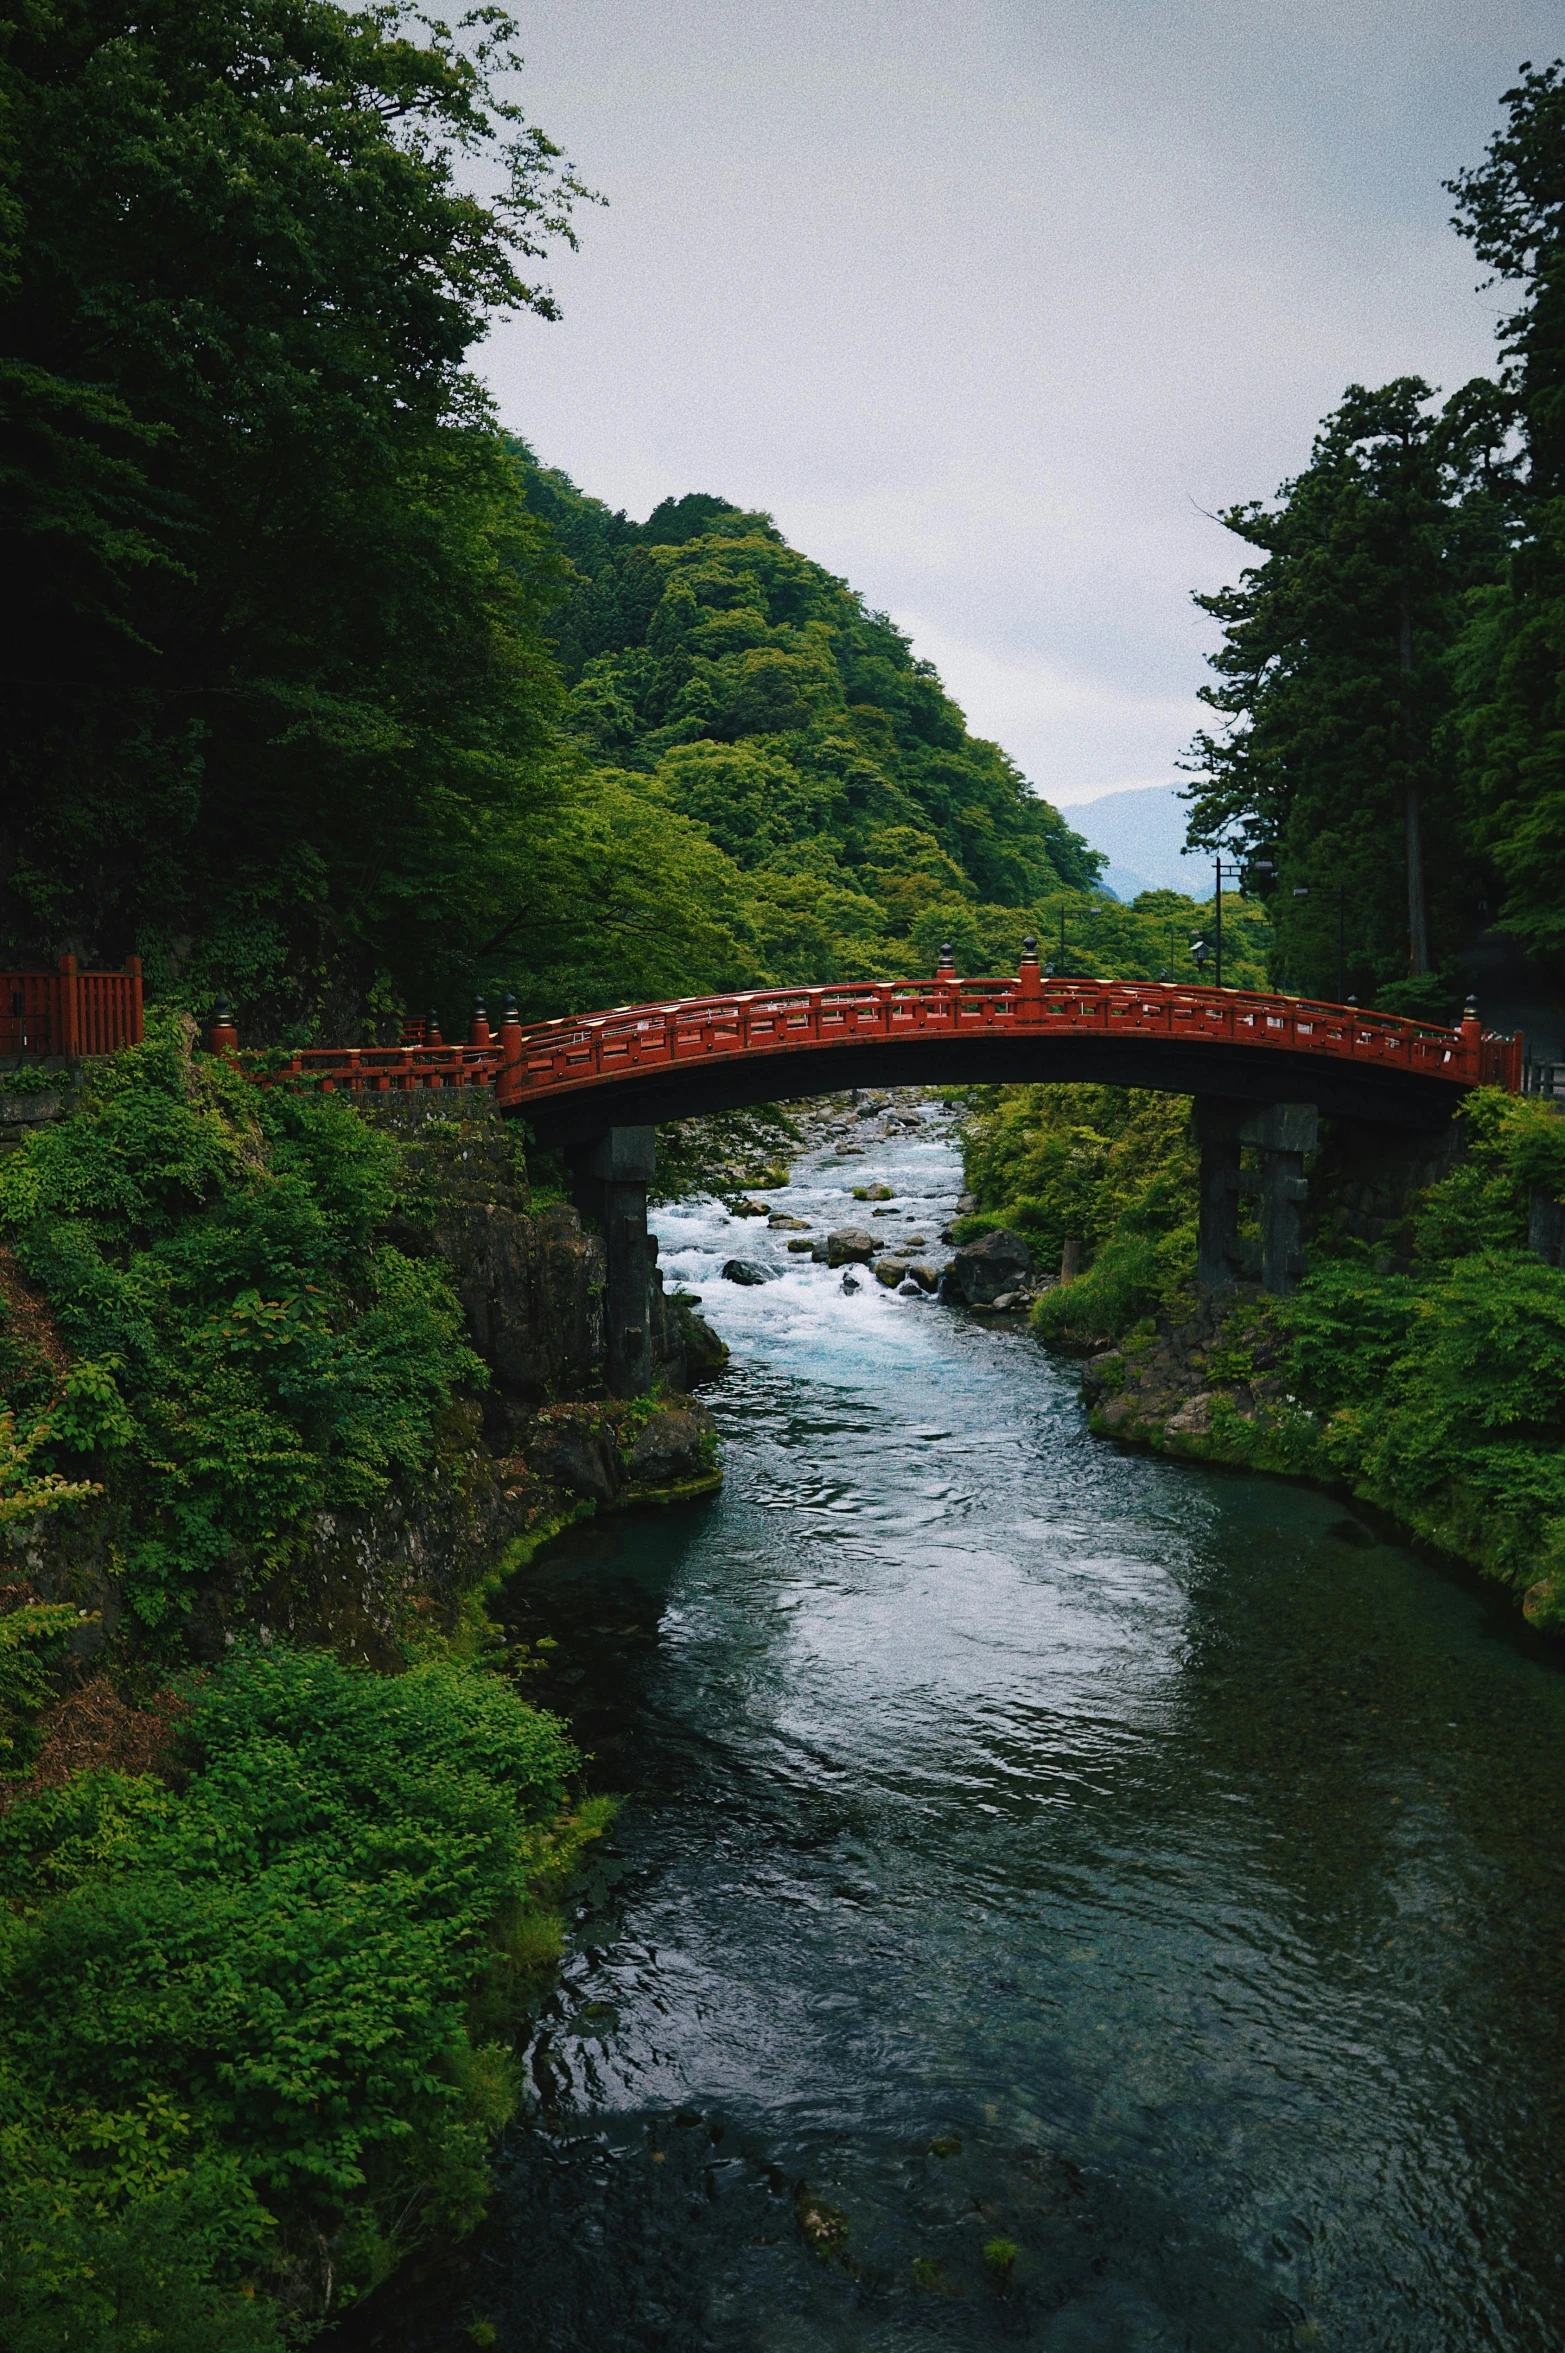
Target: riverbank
[287, 1392]
[1418, 1367]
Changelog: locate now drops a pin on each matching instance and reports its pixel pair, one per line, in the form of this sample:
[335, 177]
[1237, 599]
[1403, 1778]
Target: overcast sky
[993, 302]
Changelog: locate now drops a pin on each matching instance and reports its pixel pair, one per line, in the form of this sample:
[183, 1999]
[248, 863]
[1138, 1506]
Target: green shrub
[246, 2022]
[1110, 1167]
[1442, 1386]
[246, 1353]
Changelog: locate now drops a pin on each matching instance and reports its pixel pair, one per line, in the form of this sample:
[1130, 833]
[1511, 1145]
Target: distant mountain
[1120, 881]
[1141, 832]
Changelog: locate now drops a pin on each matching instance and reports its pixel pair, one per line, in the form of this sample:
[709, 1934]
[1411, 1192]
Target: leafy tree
[275, 662]
[1335, 687]
[1512, 657]
[1112, 1168]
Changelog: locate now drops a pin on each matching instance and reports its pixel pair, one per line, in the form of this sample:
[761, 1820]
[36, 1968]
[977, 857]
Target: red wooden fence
[69, 1013]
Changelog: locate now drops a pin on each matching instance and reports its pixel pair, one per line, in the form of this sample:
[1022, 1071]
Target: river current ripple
[1024, 1839]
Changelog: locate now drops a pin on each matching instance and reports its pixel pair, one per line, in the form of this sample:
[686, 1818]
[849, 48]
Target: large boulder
[983, 1271]
[676, 1446]
[746, 1271]
[850, 1246]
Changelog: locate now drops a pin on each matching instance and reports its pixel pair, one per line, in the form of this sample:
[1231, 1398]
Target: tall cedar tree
[1511, 661]
[274, 666]
[1336, 686]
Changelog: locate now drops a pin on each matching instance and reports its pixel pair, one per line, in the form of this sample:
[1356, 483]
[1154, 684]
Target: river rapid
[1152, 1867]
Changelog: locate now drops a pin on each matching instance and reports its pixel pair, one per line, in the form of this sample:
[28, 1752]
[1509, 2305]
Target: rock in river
[745, 1270]
[983, 1271]
[850, 1245]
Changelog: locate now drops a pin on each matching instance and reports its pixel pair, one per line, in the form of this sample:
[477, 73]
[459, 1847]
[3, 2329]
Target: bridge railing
[526, 1061]
[553, 1057]
[376, 1070]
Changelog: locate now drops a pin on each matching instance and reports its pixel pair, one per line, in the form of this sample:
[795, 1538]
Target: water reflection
[1179, 1859]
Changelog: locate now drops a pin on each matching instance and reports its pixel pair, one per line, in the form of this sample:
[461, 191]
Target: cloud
[995, 306]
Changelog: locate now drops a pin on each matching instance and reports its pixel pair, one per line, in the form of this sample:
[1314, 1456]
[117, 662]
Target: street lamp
[1237, 869]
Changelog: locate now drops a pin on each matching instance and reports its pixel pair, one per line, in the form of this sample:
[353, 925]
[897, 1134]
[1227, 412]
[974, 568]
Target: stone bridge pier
[610, 1174]
[1284, 1132]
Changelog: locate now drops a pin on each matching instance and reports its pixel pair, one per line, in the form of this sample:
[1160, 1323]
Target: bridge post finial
[1030, 978]
[946, 968]
[222, 1037]
[432, 1035]
[478, 1033]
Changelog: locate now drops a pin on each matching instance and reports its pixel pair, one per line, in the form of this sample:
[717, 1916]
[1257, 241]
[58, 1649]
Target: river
[1153, 1868]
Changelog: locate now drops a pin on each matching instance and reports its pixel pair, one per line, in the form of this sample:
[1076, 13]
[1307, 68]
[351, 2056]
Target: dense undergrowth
[253, 2010]
[266, 1925]
[242, 1351]
[1425, 1372]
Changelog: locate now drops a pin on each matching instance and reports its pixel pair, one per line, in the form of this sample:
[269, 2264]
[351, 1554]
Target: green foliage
[620, 901]
[237, 2023]
[1336, 686]
[1511, 661]
[277, 597]
[1097, 938]
[1441, 1388]
[1434, 1388]
[752, 697]
[1110, 1167]
[724, 1155]
[248, 1354]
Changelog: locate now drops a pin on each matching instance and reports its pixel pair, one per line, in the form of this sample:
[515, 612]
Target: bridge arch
[1260, 1068]
[643, 1064]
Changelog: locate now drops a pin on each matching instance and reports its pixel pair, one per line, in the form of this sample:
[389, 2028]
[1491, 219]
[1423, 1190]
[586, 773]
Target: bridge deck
[639, 1064]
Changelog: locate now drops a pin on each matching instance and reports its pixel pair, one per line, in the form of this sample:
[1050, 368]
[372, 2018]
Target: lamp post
[1237, 869]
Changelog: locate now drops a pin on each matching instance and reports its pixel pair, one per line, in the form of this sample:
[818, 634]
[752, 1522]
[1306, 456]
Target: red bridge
[1260, 1068]
[639, 1065]
[648, 1063]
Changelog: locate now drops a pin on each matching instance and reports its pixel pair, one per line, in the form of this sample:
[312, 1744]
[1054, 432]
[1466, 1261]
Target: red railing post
[478, 1033]
[67, 1038]
[1471, 1034]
